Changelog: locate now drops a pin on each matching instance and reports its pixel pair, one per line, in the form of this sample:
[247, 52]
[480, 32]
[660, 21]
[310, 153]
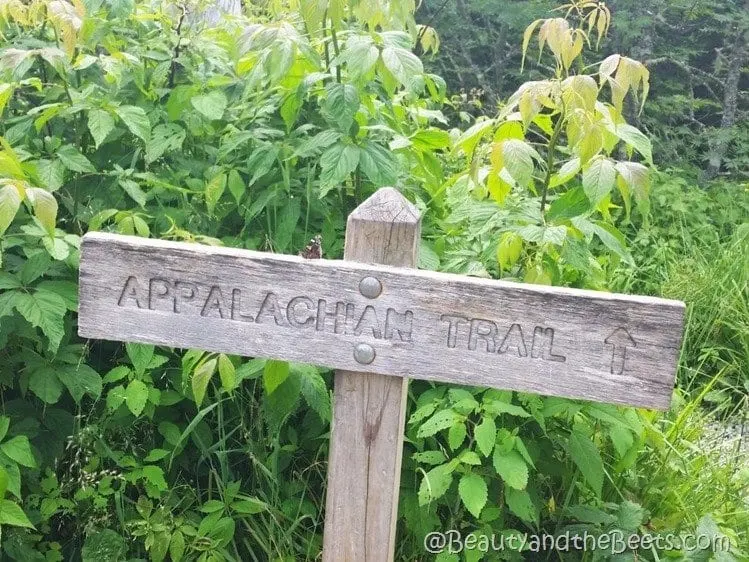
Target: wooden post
[366, 441]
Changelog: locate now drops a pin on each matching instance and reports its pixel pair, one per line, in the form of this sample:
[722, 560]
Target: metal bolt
[370, 287]
[364, 353]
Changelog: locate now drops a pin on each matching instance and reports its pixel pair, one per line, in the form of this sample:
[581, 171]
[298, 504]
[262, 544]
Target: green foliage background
[259, 133]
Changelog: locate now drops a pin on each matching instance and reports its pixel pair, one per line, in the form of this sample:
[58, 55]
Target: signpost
[379, 325]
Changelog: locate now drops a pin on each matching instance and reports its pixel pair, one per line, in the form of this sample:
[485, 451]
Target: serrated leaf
[473, 492]
[73, 160]
[511, 466]
[585, 455]
[429, 457]
[140, 355]
[100, 124]
[274, 374]
[214, 189]
[18, 450]
[45, 384]
[136, 396]
[227, 373]
[45, 310]
[10, 201]
[520, 503]
[45, 207]
[337, 162]
[439, 421]
[316, 394]
[80, 379]
[485, 434]
[340, 105]
[51, 174]
[4, 425]
[378, 164]
[402, 64]
[155, 475]
[12, 514]
[164, 138]
[436, 482]
[598, 180]
[135, 120]
[236, 185]
[211, 105]
[508, 250]
[115, 397]
[177, 546]
[201, 377]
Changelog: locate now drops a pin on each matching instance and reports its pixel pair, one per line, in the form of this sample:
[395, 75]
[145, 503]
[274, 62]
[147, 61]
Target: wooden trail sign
[390, 321]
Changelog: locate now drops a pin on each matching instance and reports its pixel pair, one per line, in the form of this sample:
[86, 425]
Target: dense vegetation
[147, 119]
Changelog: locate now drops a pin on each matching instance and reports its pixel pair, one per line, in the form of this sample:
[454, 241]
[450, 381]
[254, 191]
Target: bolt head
[370, 287]
[364, 353]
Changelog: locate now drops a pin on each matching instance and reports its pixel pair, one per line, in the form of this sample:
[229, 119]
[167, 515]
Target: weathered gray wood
[566, 342]
[366, 442]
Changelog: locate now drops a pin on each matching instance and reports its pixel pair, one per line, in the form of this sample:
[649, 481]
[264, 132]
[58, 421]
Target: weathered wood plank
[366, 442]
[549, 340]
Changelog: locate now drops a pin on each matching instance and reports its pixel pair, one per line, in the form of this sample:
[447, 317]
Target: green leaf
[613, 240]
[508, 250]
[140, 355]
[236, 185]
[630, 516]
[474, 493]
[45, 207]
[486, 435]
[67, 290]
[4, 424]
[51, 174]
[45, 310]
[18, 450]
[100, 124]
[45, 384]
[274, 373]
[378, 164]
[572, 204]
[164, 138]
[403, 64]
[456, 435]
[214, 189]
[115, 397]
[136, 396]
[12, 514]
[80, 379]
[429, 457]
[3, 481]
[340, 105]
[177, 546]
[497, 407]
[211, 105]
[104, 545]
[439, 421]
[634, 138]
[511, 467]
[73, 160]
[155, 475]
[520, 503]
[585, 455]
[10, 201]
[337, 162]
[436, 482]
[598, 180]
[201, 377]
[227, 373]
[281, 403]
[316, 394]
[136, 120]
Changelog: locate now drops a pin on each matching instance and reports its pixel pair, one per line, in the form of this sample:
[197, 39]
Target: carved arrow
[619, 340]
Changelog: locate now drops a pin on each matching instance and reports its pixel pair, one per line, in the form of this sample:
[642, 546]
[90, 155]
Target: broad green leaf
[572, 204]
[471, 136]
[520, 503]
[474, 493]
[177, 546]
[511, 466]
[337, 162]
[211, 105]
[80, 379]
[613, 240]
[585, 455]
[429, 457]
[45, 207]
[100, 124]
[274, 373]
[439, 421]
[630, 516]
[73, 160]
[6, 91]
[115, 397]
[104, 545]
[165, 138]
[136, 396]
[10, 201]
[281, 403]
[140, 355]
[201, 377]
[316, 394]
[236, 184]
[4, 424]
[45, 310]
[214, 189]
[155, 476]
[12, 514]
[3, 481]
[566, 172]
[67, 290]
[18, 450]
[136, 120]
[456, 435]
[378, 164]
[543, 234]
[436, 482]
[517, 159]
[598, 180]
[508, 250]
[486, 434]
[634, 138]
[402, 64]
[51, 173]
[45, 384]
[227, 373]
[340, 105]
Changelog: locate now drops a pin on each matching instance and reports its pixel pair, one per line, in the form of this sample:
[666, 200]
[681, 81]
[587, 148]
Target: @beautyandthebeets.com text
[612, 542]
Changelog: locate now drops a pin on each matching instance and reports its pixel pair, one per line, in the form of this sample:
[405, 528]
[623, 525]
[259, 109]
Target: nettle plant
[547, 173]
[539, 195]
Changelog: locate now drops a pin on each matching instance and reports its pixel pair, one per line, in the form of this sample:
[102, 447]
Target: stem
[334, 37]
[550, 160]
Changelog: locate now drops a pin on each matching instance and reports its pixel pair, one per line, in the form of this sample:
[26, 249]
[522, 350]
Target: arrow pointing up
[619, 340]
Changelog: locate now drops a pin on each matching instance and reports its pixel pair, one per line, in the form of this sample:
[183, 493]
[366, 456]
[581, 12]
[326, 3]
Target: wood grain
[366, 443]
[592, 345]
